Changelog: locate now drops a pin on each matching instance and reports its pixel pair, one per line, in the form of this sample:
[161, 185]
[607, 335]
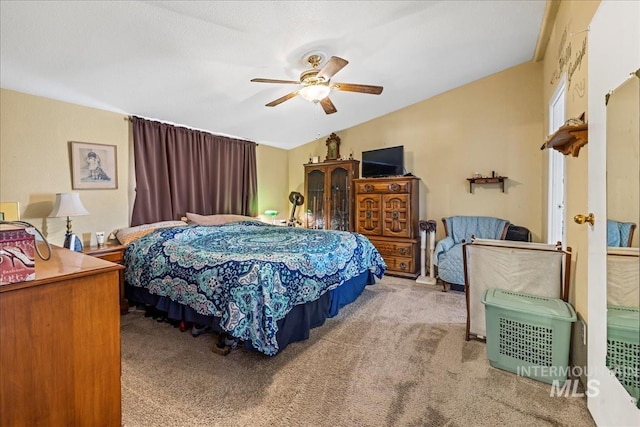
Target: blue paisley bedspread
[249, 274]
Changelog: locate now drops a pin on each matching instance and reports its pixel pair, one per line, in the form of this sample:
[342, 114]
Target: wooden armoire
[387, 211]
[329, 196]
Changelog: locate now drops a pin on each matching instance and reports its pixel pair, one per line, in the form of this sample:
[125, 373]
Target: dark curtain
[181, 170]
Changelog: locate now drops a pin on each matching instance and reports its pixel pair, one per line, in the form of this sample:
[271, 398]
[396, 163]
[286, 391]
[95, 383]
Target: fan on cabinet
[316, 83]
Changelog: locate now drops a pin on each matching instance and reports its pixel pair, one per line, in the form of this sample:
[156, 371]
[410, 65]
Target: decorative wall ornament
[568, 60]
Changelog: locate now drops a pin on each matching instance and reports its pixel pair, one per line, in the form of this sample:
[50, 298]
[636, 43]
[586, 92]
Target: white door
[614, 52]
[556, 226]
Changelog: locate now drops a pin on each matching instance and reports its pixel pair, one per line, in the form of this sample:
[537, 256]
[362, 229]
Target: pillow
[218, 219]
[129, 234]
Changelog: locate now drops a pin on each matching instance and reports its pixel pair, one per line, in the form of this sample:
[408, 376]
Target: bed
[265, 285]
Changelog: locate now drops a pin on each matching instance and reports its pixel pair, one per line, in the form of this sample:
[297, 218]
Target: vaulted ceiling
[191, 62]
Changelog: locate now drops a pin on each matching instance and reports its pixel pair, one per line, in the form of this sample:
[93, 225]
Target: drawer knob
[367, 214]
[395, 215]
[403, 251]
[403, 266]
[368, 188]
[394, 187]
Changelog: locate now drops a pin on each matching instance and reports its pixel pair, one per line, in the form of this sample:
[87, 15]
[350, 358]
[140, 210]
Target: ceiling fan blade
[351, 87]
[282, 99]
[334, 65]
[327, 105]
[275, 81]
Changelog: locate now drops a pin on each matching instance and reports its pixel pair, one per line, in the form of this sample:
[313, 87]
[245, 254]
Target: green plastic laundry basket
[623, 347]
[528, 335]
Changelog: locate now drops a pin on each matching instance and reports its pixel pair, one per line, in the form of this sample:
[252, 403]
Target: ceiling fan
[317, 83]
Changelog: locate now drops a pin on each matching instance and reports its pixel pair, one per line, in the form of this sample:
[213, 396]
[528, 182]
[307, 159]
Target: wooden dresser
[387, 213]
[60, 344]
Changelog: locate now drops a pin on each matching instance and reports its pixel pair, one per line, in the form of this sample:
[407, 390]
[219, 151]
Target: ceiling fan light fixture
[315, 93]
[316, 83]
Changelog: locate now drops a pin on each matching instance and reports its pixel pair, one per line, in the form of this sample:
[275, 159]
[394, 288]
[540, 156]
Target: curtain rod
[129, 119]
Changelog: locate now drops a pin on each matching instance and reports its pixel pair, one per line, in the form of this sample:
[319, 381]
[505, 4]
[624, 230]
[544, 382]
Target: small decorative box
[17, 250]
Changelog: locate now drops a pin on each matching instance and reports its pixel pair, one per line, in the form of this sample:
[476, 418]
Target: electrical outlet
[583, 330]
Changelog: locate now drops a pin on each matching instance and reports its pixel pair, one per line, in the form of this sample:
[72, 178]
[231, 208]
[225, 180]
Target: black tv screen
[383, 162]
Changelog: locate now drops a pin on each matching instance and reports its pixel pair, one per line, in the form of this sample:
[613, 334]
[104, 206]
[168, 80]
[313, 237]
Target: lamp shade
[67, 204]
[314, 93]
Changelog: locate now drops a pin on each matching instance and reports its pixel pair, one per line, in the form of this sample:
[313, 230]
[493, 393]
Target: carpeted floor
[395, 357]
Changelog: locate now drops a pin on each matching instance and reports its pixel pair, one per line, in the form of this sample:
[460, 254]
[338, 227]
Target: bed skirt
[295, 326]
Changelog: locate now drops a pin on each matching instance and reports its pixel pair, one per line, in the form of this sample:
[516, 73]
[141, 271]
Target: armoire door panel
[368, 210]
[339, 214]
[314, 198]
[396, 212]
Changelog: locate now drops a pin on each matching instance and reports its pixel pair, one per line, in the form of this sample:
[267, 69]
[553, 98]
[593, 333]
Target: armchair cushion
[451, 266]
[443, 246]
[619, 234]
[459, 229]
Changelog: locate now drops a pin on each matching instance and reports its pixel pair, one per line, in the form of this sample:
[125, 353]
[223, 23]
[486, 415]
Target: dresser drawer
[111, 256]
[384, 187]
[400, 256]
[399, 264]
[398, 249]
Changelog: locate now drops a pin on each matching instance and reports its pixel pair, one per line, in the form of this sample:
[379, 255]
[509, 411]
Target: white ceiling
[191, 62]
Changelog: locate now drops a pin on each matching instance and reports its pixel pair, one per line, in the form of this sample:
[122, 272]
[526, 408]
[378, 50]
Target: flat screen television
[387, 161]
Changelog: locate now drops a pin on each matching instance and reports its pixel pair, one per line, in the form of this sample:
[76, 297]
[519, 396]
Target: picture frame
[93, 166]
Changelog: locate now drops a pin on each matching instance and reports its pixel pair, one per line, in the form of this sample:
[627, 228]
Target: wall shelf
[487, 180]
[569, 139]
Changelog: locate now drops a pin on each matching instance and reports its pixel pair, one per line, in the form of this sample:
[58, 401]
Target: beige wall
[273, 176]
[493, 124]
[35, 164]
[566, 58]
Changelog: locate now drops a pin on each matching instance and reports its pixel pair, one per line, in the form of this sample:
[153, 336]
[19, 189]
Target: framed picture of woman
[93, 166]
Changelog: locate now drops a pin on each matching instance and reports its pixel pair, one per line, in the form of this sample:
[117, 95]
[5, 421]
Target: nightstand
[113, 252]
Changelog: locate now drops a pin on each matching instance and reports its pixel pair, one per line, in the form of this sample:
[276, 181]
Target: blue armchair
[620, 234]
[459, 229]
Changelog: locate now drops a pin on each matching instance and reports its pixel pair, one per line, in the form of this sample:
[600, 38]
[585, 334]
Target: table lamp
[271, 213]
[69, 204]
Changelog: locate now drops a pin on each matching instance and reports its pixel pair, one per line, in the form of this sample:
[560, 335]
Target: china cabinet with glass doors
[329, 197]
